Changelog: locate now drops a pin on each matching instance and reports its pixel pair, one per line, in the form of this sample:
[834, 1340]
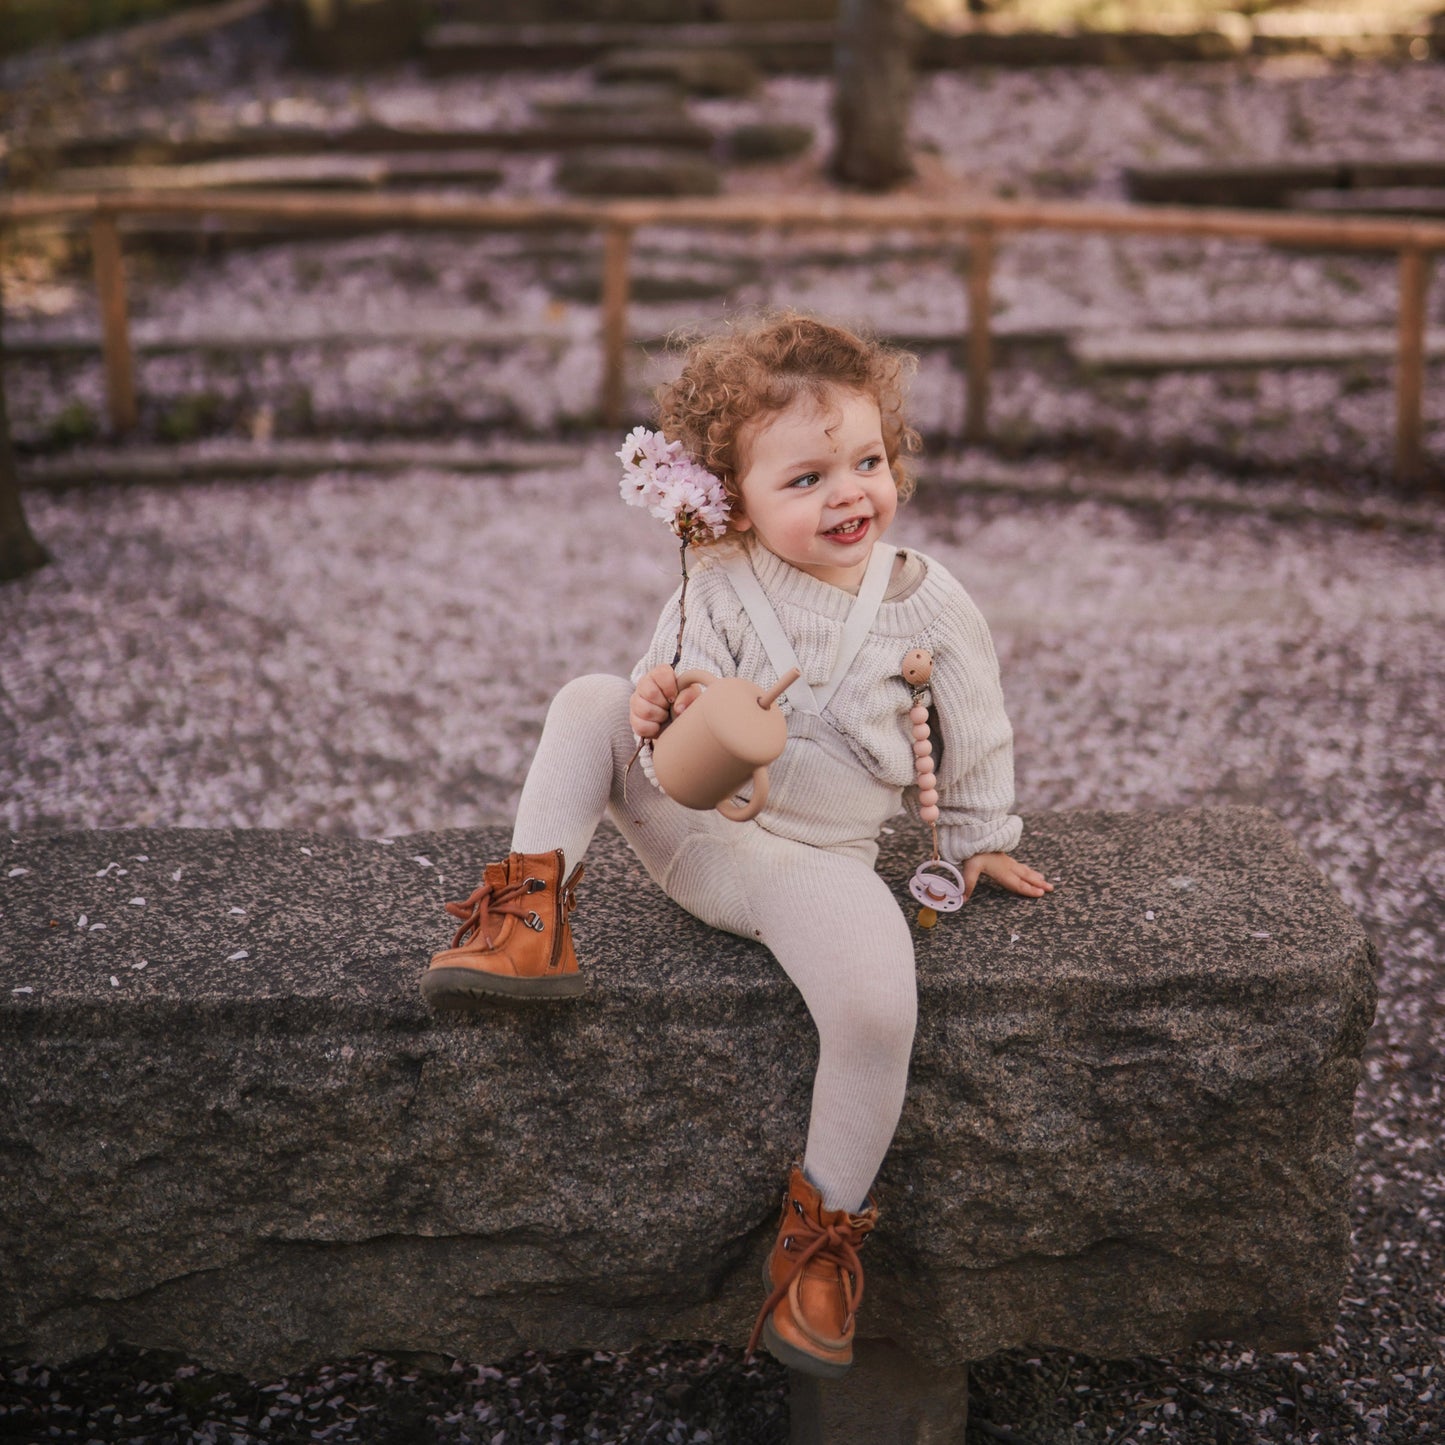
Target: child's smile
[818, 490]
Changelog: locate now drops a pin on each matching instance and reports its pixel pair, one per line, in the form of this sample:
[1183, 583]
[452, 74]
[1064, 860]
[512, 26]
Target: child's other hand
[1007, 872]
[655, 699]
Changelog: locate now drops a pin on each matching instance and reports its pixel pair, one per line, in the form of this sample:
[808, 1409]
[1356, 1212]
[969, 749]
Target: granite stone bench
[232, 1129]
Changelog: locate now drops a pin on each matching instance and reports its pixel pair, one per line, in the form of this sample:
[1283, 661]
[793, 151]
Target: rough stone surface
[230, 1126]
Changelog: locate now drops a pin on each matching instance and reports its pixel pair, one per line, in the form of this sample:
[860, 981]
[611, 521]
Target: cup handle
[743, 812]
[695, 674]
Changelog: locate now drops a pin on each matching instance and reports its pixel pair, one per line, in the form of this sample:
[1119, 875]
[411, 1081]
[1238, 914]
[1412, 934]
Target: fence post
[979, 359]
[115, 325]
[616, 257]
[1410, 370]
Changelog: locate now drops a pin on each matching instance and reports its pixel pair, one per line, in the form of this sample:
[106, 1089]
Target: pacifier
[937, 893]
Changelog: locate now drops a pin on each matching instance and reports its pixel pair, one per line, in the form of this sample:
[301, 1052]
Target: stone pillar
[887, 1398]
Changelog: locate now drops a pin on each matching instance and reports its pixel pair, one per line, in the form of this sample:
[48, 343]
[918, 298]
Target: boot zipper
[566, 902]
[559, 917]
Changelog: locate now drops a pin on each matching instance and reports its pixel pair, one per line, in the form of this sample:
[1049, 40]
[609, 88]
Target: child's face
[817, 489]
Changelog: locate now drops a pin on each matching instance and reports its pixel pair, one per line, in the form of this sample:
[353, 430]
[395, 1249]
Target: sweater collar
[786, 585]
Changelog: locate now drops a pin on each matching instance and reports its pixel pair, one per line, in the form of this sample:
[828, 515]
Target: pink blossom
[658, 475]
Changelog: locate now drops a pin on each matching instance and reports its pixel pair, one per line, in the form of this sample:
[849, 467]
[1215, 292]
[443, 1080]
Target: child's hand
[656, 699]
[1007, 872]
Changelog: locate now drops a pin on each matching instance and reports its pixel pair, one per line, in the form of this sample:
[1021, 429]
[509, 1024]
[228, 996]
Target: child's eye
[871, 464]
[808, 479]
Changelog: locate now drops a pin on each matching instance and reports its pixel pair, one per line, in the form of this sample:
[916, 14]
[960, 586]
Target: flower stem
[681, 605]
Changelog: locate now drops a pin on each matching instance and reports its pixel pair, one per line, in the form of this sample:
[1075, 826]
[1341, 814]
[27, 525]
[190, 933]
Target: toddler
[801, 423]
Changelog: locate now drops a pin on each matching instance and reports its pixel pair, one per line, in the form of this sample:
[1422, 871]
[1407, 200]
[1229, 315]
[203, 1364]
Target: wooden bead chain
[927, 779]
[929, 885]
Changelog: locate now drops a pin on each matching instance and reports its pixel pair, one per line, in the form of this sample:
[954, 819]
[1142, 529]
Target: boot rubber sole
[469, 987]
[791, 1355]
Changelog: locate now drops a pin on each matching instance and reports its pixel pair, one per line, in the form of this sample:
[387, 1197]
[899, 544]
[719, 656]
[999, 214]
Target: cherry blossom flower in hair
[659, 475]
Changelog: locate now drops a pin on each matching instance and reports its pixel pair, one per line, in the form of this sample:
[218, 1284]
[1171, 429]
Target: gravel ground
[330, 655]
[319, 654]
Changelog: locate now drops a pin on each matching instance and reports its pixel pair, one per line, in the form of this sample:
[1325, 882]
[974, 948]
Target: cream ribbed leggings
[827, 917]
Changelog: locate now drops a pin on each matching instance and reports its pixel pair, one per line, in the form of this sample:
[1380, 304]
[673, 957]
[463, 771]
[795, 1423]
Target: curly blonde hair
[740, 377]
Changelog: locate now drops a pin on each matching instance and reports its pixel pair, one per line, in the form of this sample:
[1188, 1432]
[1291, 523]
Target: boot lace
[480, 913]
[835, 1243]
[477, 912]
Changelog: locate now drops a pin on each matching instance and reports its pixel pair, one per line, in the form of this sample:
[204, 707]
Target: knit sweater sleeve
[976, 773]
[709, 639]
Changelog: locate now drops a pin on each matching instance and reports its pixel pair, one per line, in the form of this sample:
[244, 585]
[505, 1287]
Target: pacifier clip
[931, 884]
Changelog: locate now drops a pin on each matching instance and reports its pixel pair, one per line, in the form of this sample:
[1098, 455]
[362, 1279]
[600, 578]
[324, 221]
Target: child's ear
[739, 523]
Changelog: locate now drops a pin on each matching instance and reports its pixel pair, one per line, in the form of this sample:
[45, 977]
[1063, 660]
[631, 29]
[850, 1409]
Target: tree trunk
[872, 87]
[20, 553]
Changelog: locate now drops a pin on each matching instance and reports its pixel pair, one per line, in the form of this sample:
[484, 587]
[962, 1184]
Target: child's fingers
[1029, 881]
[647, 717]
[1008, 873]
[687, 697]
[661, 684]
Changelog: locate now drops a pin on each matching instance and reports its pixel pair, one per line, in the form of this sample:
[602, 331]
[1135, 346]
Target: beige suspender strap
[775, 641]
[861, 618]
[769, 629]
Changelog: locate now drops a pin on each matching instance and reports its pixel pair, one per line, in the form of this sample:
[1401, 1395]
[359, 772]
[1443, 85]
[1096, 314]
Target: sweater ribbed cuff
[961, 841]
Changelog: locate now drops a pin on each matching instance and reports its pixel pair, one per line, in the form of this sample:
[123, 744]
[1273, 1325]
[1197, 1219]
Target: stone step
[476, 170]
[1403, 172]
[762, 141]
[604, 172]
[1373, 201]
[698, 72]
[671, 130]
[1263, 347]
[1272, 183]
[806, 47]
[997, 43]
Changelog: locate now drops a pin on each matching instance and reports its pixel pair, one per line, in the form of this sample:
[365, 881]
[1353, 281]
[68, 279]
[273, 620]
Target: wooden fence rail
[978, 227]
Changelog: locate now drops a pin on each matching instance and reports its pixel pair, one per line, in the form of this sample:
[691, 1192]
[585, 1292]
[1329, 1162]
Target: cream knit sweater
[816, 797]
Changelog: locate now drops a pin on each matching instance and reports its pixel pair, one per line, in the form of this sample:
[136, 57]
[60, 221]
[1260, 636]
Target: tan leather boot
[514, 937]
[816, 1282]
